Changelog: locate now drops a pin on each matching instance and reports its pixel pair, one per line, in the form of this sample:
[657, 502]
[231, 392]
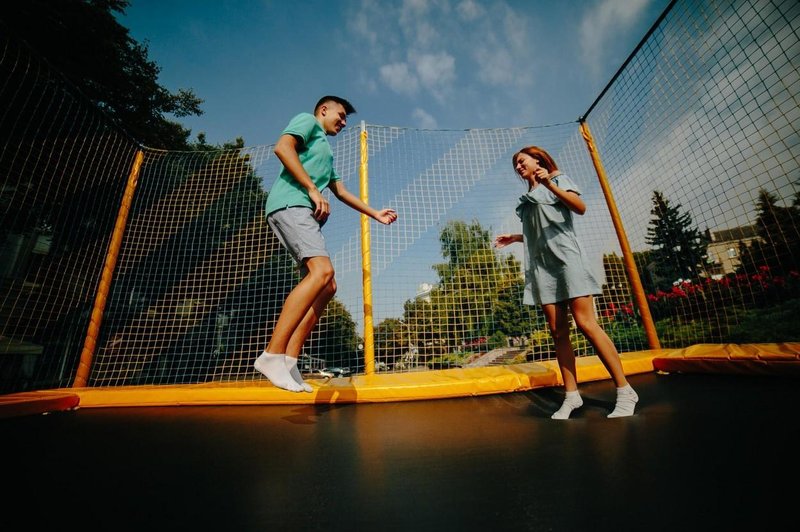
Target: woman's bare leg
[558, 322]
[583, 311]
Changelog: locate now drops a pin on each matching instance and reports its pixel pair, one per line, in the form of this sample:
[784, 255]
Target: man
[296, 211]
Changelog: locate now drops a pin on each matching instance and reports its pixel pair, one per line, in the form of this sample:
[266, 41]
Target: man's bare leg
[272, 362]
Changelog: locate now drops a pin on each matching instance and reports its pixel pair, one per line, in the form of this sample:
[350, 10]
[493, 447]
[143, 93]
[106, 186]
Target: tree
[511, 317]
[338, 340]
[645, 266]
[392, 341]
[778, 245]
[478, 294]
[82, 40]
[679, 250]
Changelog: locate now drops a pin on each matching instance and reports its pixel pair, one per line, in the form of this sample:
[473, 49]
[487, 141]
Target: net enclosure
[123, 265]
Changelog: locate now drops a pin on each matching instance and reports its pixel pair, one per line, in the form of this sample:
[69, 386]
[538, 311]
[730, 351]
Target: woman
[557, 274]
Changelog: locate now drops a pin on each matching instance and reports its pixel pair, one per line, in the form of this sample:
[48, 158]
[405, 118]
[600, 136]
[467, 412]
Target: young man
[296, 211]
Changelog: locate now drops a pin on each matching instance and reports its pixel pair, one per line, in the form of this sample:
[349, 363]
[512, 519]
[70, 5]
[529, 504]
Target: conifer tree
[679, 250]
[778, 245]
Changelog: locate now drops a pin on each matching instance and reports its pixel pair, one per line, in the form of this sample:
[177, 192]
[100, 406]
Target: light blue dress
[556, 268]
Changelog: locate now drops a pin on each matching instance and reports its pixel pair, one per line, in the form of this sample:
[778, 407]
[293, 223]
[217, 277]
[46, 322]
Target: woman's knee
[586, 325]
[559, 332]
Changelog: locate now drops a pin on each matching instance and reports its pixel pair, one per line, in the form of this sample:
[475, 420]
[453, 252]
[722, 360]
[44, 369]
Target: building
[723, 250]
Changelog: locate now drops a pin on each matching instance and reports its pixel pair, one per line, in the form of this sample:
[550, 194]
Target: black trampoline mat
[703, 452]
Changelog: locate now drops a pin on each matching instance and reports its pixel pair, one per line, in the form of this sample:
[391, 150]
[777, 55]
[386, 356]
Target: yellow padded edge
[755, 359]
[41, 402]
[386, 387]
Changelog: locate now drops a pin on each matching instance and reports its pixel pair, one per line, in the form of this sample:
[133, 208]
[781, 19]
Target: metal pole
[366, 260]
[627, 254]
[90, 343]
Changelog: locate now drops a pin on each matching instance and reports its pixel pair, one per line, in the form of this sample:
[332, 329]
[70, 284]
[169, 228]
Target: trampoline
[154, 275]
[703, 452]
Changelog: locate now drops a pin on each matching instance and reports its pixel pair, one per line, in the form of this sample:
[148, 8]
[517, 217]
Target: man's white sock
[291, 365]
[626, 402]
[572, 400]
[274, 368]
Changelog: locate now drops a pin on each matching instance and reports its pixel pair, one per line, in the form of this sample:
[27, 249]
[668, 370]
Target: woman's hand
[501, 241]
[542, 176]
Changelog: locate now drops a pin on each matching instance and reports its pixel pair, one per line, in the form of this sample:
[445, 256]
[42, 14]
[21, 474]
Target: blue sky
[433, 64]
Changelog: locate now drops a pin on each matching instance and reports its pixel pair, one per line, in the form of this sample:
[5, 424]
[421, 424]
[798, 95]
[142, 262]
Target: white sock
[274, 368]
[571, 402]
[626, 402]
[291, 364]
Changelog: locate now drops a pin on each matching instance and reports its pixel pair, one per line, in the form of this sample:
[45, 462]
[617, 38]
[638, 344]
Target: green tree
[338, 339]
[645, 267]
[679, 250]
[478, 294]
[778, 245]
[392, 340]
[511, 317]
[82, 40]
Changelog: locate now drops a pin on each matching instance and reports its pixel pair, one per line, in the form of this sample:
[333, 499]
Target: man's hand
[322, 208]
[386, 216]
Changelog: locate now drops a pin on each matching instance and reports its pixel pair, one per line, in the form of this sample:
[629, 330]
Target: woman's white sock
[571, 402]
[626, 402]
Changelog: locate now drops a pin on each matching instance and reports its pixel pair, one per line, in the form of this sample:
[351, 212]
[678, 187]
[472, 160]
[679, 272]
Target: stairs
[497, 357]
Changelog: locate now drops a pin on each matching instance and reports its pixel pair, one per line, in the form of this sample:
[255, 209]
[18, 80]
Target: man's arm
[384, 216]
[286, 151]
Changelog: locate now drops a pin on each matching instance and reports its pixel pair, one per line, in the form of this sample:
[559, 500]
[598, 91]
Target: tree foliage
[778, 245]
[478, 295]
[82, 40]
[679, 250]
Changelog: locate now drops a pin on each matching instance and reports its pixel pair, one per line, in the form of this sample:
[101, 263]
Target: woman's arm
[501, 241]
[569, 198]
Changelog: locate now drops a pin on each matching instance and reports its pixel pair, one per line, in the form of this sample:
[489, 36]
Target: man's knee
[322, 270]
[331, 287]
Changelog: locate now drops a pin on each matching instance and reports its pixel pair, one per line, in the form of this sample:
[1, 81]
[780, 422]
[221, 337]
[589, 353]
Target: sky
[430, 64]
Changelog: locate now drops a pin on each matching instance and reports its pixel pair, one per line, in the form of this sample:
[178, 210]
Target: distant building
[424, 292]
[724, 247]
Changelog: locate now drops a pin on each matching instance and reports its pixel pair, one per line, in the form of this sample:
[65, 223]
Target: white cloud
[469, 10]
[435, 71]
[495, 65]
[361, 27]
[399, 78]
[600, 26]
[423, 119]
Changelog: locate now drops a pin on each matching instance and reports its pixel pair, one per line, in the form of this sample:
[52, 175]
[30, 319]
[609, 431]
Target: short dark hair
[348, 107]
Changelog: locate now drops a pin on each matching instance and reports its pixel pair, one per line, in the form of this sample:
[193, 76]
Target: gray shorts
[299, 233]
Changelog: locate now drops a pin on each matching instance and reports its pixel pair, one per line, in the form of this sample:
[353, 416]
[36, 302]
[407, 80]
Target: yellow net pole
[366, 260]
[627, 254]
[87, 354]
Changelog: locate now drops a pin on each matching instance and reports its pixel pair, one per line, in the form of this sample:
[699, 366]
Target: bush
[673, 332]
[498, 339]
[780, 323]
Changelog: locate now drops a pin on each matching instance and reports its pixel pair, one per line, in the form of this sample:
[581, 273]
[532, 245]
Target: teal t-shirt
[317, 158]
